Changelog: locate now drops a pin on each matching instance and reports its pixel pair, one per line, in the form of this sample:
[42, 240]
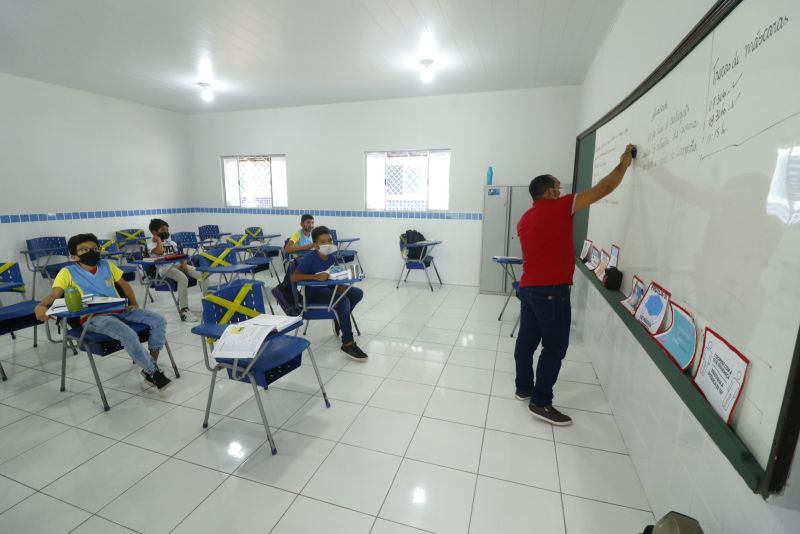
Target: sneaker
[188, 316]
[522, 395]
[157, 379]
[549, 414]
[355, 352]
[336, 329]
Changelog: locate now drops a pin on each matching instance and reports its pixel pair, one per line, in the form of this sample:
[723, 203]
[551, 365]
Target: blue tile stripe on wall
[70, 215]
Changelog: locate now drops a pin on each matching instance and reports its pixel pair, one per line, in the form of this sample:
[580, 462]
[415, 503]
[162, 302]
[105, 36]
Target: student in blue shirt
[313, 266]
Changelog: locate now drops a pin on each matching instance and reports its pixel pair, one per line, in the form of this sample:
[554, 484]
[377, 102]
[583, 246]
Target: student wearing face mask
[161, 245]
[92, 275]
[314, 266]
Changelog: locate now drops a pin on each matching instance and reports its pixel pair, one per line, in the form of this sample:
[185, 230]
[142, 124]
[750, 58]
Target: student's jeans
[113, 326]
[322, 295]
[545, 316]
[182, 281]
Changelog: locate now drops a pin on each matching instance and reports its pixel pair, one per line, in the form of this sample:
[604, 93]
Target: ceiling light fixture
[206, 93]
[426, 70]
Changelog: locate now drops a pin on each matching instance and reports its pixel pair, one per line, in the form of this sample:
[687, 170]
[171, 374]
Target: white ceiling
[271, 53]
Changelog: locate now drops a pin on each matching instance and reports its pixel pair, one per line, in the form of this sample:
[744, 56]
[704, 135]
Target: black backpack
[285, 295]
[412, 236]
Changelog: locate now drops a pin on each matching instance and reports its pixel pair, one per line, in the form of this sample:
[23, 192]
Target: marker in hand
[633, 152]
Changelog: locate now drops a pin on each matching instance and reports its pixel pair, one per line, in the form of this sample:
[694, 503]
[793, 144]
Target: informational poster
[653, 307]
[721, 374]
[600, 270]
[587, 248]
[594, 259]
[679, 340]
[631, 302]
[614, 256]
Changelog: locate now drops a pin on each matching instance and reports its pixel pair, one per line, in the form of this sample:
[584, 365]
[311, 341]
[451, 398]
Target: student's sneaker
[355, 352]
[157, 379]
[549, 414]
[336, 329]
[522, 395]
[188, 316]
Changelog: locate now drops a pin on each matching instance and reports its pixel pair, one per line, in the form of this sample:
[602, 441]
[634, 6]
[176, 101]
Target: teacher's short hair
[540, 184]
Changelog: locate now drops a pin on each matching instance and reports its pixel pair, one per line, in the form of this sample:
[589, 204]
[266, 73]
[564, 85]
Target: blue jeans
[545, 317]
[114, 327]
[322, 295]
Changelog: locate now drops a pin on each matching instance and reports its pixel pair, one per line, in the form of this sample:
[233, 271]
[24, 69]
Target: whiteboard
[710, 208]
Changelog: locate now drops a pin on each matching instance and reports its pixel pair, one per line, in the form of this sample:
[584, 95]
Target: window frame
[427, 199]
[238, 177]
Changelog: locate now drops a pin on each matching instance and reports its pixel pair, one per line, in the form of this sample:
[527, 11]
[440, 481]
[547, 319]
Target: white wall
[679, 465]
[65, 150]
[520, 133]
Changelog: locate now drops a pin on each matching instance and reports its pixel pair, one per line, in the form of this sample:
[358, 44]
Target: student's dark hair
[155, 224]
[306, 217]
[540, 184]
[74, 241]
[319, 231]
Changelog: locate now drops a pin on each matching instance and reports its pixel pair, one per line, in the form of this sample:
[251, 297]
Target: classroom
[400, 267]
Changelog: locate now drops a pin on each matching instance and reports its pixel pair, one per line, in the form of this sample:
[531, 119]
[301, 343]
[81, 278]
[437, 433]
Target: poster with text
[631, 302]
[653, 307]
[600, 271]
[679, 340]
[594, 260]
[721, 374]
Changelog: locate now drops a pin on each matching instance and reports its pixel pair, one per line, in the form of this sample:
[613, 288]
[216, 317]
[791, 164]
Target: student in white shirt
[161, 245]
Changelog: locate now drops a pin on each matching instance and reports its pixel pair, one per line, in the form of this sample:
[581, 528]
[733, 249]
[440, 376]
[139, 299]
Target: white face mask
[327, 249]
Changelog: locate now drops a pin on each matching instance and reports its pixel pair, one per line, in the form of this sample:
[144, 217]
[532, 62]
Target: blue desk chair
[255, 234]
[45, 256]
[278, 356]
[417, 256]
[210, 234]
[109, 249]
[94, 344]
[255, 252]
[345, 254]
[315, 311]
[222, 262]
[15, 316]
[187, 242]
[132, 242]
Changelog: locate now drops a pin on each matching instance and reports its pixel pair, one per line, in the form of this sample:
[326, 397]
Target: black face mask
[163, 235]
[90, 258]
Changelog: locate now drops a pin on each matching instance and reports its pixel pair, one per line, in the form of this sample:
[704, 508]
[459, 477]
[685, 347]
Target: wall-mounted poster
[653, 307]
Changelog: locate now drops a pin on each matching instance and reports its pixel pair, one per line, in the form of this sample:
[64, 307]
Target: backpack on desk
[412, 236]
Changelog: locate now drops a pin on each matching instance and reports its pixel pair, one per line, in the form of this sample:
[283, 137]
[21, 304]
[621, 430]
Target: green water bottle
[72, 297]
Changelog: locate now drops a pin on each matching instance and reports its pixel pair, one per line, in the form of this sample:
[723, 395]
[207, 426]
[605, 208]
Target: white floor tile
[40, 514]
[354, 478]
[590, 429]
[506, 343]
[21, 379]
[578, 372]
[502, 506]
[519, 459]
[12, 492]
[480, 358]
[475, 340]
[442, 336]
[26, 434]
[40, 397]
[432, 352]
[298, 458]
[329, 356]
[257, 509]
[491, 327]
[447, 444]
[309, 516]
[386, 346]
[303, 379]
[406, 332]
[420, 371]
[279, 404]
[583, 515]
[98, 525]
[430, 497]
[126, 417]
[315, 419]
[459, 312]
[9, 415]
[458, 406]
[444, 323]
[604, 476]
[46, 462]
[352, 387]
[402, 396]
[511, 415]
[376, 365]
[382, 430]
[172, 431]
[225, 446]
[466, 379]
[76, 409]
[102, 479]
[383, 526]
[505, 362]
[580, 396]
[182, 389]
[182, 485]
[228, 395]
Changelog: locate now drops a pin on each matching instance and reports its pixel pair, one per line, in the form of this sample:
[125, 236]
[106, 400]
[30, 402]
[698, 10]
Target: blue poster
[680, 339]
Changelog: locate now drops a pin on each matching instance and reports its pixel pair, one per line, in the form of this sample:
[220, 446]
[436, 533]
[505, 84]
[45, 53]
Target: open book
[60, 305]
[244, 340]
[344, 272]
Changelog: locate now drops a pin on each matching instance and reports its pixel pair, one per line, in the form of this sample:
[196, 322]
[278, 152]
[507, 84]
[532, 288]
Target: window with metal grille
[255, 181]
[416, 180]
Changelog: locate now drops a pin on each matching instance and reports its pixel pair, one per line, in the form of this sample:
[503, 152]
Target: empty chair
[45, 256]
[17, 316]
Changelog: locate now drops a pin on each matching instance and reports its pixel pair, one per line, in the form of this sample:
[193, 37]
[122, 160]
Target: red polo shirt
[545, 233]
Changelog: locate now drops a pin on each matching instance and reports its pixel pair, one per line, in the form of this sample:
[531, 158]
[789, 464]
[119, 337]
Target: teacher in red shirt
[548, 256]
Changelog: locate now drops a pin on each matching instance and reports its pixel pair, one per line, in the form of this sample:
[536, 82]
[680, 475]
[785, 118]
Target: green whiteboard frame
[767, 481]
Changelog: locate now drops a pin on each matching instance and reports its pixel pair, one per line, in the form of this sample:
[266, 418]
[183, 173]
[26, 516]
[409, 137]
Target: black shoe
[355, 352]
[549, 414]
[522, 395]
[158, 379]
[336, 329]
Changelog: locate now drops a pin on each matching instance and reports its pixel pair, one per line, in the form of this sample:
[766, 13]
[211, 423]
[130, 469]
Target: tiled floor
[424, 437]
